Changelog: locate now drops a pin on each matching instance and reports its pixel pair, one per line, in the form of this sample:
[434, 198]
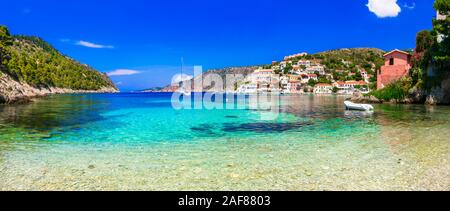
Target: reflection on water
[53, 112]
[138, 142]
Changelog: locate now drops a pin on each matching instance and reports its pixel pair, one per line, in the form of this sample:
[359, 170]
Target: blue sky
[142, 41]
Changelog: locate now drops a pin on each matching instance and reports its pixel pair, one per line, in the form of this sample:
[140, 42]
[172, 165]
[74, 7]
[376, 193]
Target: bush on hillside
[398, 90]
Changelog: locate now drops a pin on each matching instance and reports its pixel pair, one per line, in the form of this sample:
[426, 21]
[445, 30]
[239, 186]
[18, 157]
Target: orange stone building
[397, 65]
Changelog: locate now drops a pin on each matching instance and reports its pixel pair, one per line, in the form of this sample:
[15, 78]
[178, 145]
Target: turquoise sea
[134, 141]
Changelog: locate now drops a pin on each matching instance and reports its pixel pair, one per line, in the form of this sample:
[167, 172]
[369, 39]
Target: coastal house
[353, 84]
[304, 63]
[349, 87]
[363, 73]
[284, 83]
[323, 89]
[294, 86]
[342, 87]
[316, 69]
[365, 76]
[248, 89]
[397, 65]
[296, 68]
[262, 75]
[306, 77]
[294, 77]
[266, 81]
[284, 64]
[261, 78]
[313, 76]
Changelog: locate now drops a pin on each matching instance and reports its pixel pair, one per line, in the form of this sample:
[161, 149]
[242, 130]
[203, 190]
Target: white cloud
[93, 45]
[384, 8]
[122, 72]
[181, 77]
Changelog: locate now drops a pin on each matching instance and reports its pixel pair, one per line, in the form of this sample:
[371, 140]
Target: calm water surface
[139, 142]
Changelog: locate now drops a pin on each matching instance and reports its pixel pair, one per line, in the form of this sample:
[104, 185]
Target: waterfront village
[293, 76]
[297, 74]
[303, 73]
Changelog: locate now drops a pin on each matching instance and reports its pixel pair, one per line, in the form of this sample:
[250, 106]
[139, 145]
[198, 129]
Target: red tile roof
[356, 83]
[399, 51]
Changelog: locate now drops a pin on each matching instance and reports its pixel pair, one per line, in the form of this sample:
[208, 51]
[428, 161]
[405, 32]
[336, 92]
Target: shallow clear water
[139, 142]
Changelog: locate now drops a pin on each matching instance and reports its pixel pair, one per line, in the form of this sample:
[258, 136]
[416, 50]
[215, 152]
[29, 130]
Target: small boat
[358, 107]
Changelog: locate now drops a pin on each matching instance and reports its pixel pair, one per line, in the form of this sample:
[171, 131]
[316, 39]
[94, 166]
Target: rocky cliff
[12, 91]
[439, 95]
[31, 67]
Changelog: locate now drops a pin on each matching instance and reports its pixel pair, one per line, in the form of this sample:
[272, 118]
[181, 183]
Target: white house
[349, 87]
[317, 68]
[284, 82]
[248, 89]
[366, 76]
[262, 75]
[305, 63]
[265, 79]
[323, 89]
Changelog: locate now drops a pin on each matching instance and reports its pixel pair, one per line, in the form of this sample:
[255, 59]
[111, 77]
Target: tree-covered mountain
[33, 61]
[366, 58]
[350, 59]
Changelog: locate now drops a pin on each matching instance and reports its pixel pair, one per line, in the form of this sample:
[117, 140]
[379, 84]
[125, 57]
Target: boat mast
[181, 76]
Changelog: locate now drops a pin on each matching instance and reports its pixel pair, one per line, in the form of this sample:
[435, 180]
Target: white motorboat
[358, 107]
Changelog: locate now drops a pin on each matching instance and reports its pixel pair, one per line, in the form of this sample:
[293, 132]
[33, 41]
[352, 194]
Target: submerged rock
[264, 127]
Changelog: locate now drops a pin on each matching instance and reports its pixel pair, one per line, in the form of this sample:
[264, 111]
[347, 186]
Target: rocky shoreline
[436, 96]
[13, 92]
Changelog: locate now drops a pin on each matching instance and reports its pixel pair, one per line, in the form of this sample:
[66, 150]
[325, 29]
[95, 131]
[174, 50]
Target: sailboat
[182, 90]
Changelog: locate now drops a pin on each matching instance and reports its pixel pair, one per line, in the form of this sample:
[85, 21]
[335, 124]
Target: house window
[391, 61]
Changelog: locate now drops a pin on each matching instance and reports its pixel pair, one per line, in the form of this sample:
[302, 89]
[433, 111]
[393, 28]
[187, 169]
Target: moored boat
[358, 107]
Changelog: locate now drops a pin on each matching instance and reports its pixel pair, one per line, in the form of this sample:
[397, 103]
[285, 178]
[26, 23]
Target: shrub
[395, 91]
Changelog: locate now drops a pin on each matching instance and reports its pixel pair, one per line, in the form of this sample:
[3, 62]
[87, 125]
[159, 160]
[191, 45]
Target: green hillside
[348, 58]
[366, 58]
[33, 61]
